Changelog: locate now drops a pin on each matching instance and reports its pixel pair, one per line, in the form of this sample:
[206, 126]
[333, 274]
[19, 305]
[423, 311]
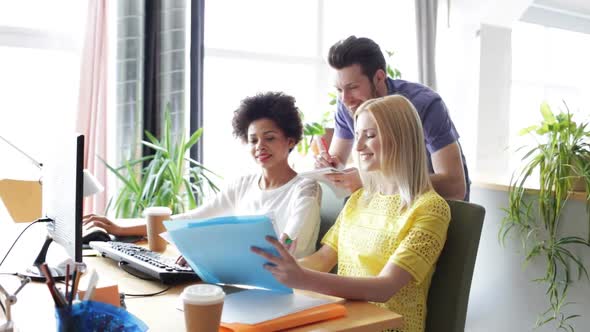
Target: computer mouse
[96, 235]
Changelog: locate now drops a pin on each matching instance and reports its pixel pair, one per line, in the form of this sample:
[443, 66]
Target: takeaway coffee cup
[155, 217]
[203, 304]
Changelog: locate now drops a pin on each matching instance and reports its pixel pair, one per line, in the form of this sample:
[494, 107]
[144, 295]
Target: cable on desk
[122, 264]
[150, 294]
[21, 233]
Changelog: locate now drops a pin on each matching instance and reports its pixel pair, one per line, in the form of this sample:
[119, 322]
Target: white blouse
[295, 207]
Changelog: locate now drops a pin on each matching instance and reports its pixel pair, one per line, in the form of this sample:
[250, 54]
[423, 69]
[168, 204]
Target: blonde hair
[403, 158]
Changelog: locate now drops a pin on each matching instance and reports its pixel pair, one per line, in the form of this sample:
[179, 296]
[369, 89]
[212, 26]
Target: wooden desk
[34, 309]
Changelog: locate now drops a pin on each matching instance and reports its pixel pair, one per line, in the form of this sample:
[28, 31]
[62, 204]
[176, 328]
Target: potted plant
[560, 156]
[310, 131]
[170, 177]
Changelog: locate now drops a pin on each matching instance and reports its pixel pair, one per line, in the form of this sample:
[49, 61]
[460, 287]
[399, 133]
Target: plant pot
[579, 184]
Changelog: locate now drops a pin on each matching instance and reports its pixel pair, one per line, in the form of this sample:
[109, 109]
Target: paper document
[218, 249]
[319, 175]
[255, 306]
[166, 236]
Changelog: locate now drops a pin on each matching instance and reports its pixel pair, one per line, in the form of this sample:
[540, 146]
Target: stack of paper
[255, 306]
[320, 175]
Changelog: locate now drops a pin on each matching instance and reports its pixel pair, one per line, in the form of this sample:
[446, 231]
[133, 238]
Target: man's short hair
[362, 51]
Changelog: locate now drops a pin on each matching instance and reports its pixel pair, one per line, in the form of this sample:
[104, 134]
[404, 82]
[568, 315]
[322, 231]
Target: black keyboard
[153, 264]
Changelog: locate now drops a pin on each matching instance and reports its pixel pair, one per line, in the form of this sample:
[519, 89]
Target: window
[40, 65]
[129, 79]
[265, 45]
[548, 64]
[172, 76]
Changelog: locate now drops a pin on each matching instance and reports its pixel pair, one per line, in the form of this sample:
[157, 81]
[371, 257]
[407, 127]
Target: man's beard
[373, 96]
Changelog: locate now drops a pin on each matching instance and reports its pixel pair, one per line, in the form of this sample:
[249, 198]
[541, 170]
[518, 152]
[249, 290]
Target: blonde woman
[390, 233]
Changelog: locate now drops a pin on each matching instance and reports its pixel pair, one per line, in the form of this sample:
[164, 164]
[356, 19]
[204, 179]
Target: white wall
[503, 297]
[495, 74]
[458, 47]
[474, 75]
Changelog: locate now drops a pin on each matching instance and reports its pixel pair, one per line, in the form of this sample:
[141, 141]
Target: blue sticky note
[218, 249]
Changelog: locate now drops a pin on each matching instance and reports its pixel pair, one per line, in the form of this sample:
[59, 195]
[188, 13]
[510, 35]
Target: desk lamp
[9, 301]
[23, 198]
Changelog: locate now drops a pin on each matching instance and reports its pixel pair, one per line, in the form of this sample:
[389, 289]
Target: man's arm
[341, 148]
[449, 176]
[339, 152]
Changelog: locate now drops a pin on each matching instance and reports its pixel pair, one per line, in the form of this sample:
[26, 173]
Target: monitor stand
[58, 272]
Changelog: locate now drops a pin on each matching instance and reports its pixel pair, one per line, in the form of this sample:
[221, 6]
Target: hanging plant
[560, 157]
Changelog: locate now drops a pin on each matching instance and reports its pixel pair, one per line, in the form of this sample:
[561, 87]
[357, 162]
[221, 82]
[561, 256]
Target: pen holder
[96, 316]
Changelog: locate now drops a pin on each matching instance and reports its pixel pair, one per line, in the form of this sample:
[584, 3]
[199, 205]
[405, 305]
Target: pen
[67, 281]
[76, 280]
[91, 285]
[324, 146]
[73, 288]
[55, 294]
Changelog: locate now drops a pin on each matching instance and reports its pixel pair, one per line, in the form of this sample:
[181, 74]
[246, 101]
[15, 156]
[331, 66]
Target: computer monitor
[62, 186]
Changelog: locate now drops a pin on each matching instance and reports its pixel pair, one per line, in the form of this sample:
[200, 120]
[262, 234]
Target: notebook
[218, 249]
[308, 316]
[255, 306]
[319, 175]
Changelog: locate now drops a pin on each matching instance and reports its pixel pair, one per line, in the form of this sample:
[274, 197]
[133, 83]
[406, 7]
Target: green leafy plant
[392, 71]
[310, 130]
[560, 157]
[170, 178]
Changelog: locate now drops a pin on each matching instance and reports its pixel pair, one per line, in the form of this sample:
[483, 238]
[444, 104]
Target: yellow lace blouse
[370, 233]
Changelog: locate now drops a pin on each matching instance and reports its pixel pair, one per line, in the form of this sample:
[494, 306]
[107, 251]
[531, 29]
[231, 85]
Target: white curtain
[426, 14]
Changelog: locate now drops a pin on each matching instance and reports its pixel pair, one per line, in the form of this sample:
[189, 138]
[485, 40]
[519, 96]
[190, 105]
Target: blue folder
[218, 249]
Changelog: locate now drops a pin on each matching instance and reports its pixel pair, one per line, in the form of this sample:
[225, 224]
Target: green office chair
[449, 291]
[329, 211]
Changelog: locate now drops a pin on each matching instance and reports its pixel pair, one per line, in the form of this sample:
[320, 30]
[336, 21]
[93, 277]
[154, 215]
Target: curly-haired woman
[270, 125]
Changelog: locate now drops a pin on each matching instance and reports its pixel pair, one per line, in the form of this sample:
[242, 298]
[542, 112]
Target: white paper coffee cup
[203, 304]
[155, 217]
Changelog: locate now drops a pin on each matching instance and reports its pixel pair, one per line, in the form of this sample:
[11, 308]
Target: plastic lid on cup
[157, 211]
[202, 294]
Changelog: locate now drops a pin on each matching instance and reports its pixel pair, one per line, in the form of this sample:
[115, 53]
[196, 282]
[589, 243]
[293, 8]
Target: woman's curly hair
[276, 106]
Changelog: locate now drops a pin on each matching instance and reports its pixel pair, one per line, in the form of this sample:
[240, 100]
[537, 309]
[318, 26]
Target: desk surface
[34, 309]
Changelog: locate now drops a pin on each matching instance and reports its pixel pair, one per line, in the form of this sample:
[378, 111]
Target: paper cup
[155, 217]
[203, 304]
